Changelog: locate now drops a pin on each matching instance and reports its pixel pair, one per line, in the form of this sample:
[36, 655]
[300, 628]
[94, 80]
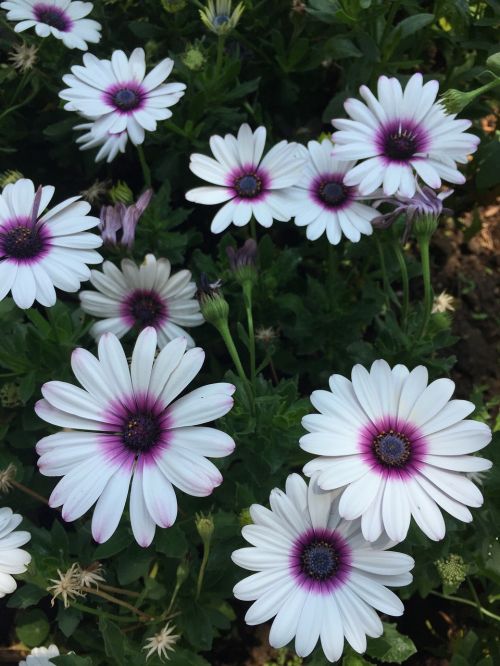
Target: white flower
[251, 185]
[118, 95]
[13, 560]
[399, 133]
[38, 253]
[323, 202]
[61, 18]
[109, 144]
[162, 643]
[129, 425]
[148, 295]
[396, 447]
[316, 573]
[40, 656]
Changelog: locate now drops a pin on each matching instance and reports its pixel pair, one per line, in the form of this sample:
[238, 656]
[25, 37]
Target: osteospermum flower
[251, 185]
[316, 573]
[109, 144]
[148, 295]
[219, 16]
[324, 203]
[400, 133]
[118, 95]
[40, 656]
[40, 252]
[13, 560]
[128, 424]
[397, 448]
[63, 19]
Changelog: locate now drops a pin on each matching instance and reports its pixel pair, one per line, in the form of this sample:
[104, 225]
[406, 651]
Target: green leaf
[412, 24]
[33, 628]
[171, 542]
[26, 596]
[68, 619]
[341, 47]
[113, 641]
[71, 660]
[118, 542]
[392, 647]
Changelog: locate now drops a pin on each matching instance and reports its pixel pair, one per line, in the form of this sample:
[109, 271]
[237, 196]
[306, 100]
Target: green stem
[487, 86]
[223, 328]
[220, 54]
[119, 602]
[388, 25]
[146, 171]
[253, 229]
[383, 268]
[201, 574]
[405, 282]
[424, 242]
[476, 598]
[30, 492]
[247, 295]
[331, 274]
[467, 602]
[101, 613]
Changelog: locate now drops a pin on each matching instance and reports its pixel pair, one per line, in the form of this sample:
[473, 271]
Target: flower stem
[231, 348]
[405, 282]
[30, 492]
[201, 574]
[220, 54]
[467, 602]
[118, 602]
[118, 590]
[100, 613]
[253, 229]
[146, 171]
[247, 295]
[383, 268]
[424, 242]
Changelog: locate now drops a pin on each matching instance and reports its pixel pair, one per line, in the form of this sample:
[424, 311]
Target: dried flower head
[96, 192]
[7, 475]
[23, 56]
[162, 642]
[443, 303]
[266, 335]
[91, 576]
[68, 586]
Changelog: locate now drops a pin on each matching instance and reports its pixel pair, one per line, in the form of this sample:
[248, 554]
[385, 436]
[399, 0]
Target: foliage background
[289, 67]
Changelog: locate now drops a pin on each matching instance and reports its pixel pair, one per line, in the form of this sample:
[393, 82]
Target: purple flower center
[141, 431]
[146, 308]
[221, 19]
[21, 242]
[126, 99]
[392, 449]
[401, 144]
[52, 16]
[248, 186]
[333, 193]
[320, 560]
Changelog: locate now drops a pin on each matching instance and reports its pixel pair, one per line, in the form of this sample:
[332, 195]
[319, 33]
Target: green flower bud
[425, 225]
[205, 526]
[453, 570]
[121, 193]
[213, 305]
[173, 6]
[182, 572]
[10, 176]
[194, 58]
[455, 101]
[245, 518]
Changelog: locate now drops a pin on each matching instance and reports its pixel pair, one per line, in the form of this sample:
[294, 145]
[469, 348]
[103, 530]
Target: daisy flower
[39, 252]
[316, 573]
[251, 185]
[40, 656]
[63, 19]
[13, 560]
[119, 96]
[219, 16]
[323, 202]
[400, 133]
[397, 448]
[128, 426]
[109, 144]
[140, 296]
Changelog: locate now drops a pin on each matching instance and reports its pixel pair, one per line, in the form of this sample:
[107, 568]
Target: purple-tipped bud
[124, 219]
[243, 261]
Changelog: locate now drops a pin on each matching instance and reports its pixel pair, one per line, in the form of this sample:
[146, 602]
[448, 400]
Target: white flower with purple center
[136, 297]
[109, 144]
[130, 428]
[324, 203]
[118, 94]
[63, 19]
[38, 253]
[13, 560]
[249, 183]
[397, 448]
[316, 573]
[400, 133]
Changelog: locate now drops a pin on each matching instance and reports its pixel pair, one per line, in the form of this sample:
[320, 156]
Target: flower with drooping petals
[13, 560]
[400, 133]
[63, 19]
[249, 183]
[316, 573]
[324, 203]
[122, 220]
[119, 96]
[41, 251]
[141, 296]
[109, 144]
[397, 448]
[129, 427]
[40, 656]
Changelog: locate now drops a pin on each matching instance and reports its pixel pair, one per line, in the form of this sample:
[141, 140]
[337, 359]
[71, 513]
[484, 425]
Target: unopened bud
[213, 305]
[453, 570]
[205, 526]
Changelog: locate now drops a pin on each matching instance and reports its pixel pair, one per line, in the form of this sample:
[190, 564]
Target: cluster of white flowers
[388, 446]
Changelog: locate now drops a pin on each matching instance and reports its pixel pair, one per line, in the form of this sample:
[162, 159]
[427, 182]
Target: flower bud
[243, 261]
[121, 193]
[455, 101]
[213, 305]
[205, 526]
[182, 572]
[194, 58]
[173, 6]
[453, 570]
